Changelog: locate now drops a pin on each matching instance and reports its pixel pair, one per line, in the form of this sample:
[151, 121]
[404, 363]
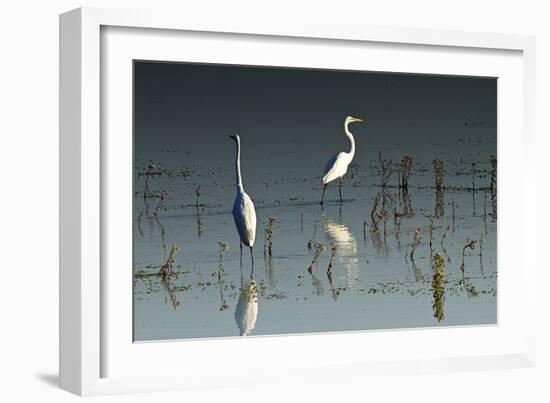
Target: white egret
[337, 166]
[244, 213]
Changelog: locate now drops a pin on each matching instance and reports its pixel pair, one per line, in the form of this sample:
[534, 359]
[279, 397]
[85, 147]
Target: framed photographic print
[270, 190]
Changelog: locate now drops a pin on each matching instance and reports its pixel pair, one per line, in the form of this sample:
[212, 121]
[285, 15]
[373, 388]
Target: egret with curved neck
[337, 166]
[244, 213]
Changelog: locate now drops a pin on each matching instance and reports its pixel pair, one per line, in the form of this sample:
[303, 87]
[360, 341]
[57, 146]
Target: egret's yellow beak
[357, 120]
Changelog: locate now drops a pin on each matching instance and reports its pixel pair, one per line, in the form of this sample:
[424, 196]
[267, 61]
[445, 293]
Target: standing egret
[337, 166]
[244, 213]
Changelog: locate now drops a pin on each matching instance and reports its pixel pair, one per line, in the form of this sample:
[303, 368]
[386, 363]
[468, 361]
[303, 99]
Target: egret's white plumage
[337, 165]
[244, 213]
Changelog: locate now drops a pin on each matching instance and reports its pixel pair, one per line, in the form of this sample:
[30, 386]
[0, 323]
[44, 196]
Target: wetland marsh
[412, 244]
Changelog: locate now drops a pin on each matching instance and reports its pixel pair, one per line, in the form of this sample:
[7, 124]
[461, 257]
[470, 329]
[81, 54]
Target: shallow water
[374, 284]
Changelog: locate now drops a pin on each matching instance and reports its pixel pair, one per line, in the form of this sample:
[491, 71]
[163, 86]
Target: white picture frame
[96, 356]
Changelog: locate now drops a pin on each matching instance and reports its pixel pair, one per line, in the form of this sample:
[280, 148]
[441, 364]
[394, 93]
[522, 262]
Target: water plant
[223, 247]
[171, 292]
[416, 242]
[493, 187]
[430, 231]
[439, 173]
[438, 281]
[166, 269]
[405, 171]
[443, 237]
[453, 213]
[197, 196]
[319, 248]
[375, 215]
[329, 268]
[269, 235]
[385, 169]
[469, 245]
[199, 222]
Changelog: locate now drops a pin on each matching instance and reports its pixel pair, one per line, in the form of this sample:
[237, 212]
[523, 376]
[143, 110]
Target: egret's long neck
[239, 181]
[351, 140]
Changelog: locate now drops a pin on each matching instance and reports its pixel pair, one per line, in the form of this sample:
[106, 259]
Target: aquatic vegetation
[439, 173]
[161, 195]
[223, 247]
[171, 292]
[493, 187]
[416, 243]
[218, 288]
[481, 252]
[453, 213]
[385, 170]
[472, 292]
[199, 222]
[430, 231]
[166, 269]
[329, 268]
[268, 244]
[405, 171]
[197, 196]
[139, 227]
[438, 287]
[375, 215]
[485, 213]
[319, 248]
[442, 240]
[151, 171]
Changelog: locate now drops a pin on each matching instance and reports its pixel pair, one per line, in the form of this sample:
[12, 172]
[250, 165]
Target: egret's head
[351, 119]
[234, 137]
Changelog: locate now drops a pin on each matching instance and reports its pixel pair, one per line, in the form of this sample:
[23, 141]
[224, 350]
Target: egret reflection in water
[345, 243]
[246, 312]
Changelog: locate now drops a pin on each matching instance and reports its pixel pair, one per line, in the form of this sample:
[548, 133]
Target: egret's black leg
[323, 195]
[340, 188]
[241, 245]
[252, 258]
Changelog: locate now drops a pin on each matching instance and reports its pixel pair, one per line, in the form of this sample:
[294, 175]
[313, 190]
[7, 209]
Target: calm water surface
[374, 283]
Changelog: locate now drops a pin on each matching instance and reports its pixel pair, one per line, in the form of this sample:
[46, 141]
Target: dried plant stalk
[329, 268]
[438, 282]
[319, 248]
[269, 234]
[406, 168]
[494, 186]
[439, 172]
[386, 169]
[416, 242]
[166, 269]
